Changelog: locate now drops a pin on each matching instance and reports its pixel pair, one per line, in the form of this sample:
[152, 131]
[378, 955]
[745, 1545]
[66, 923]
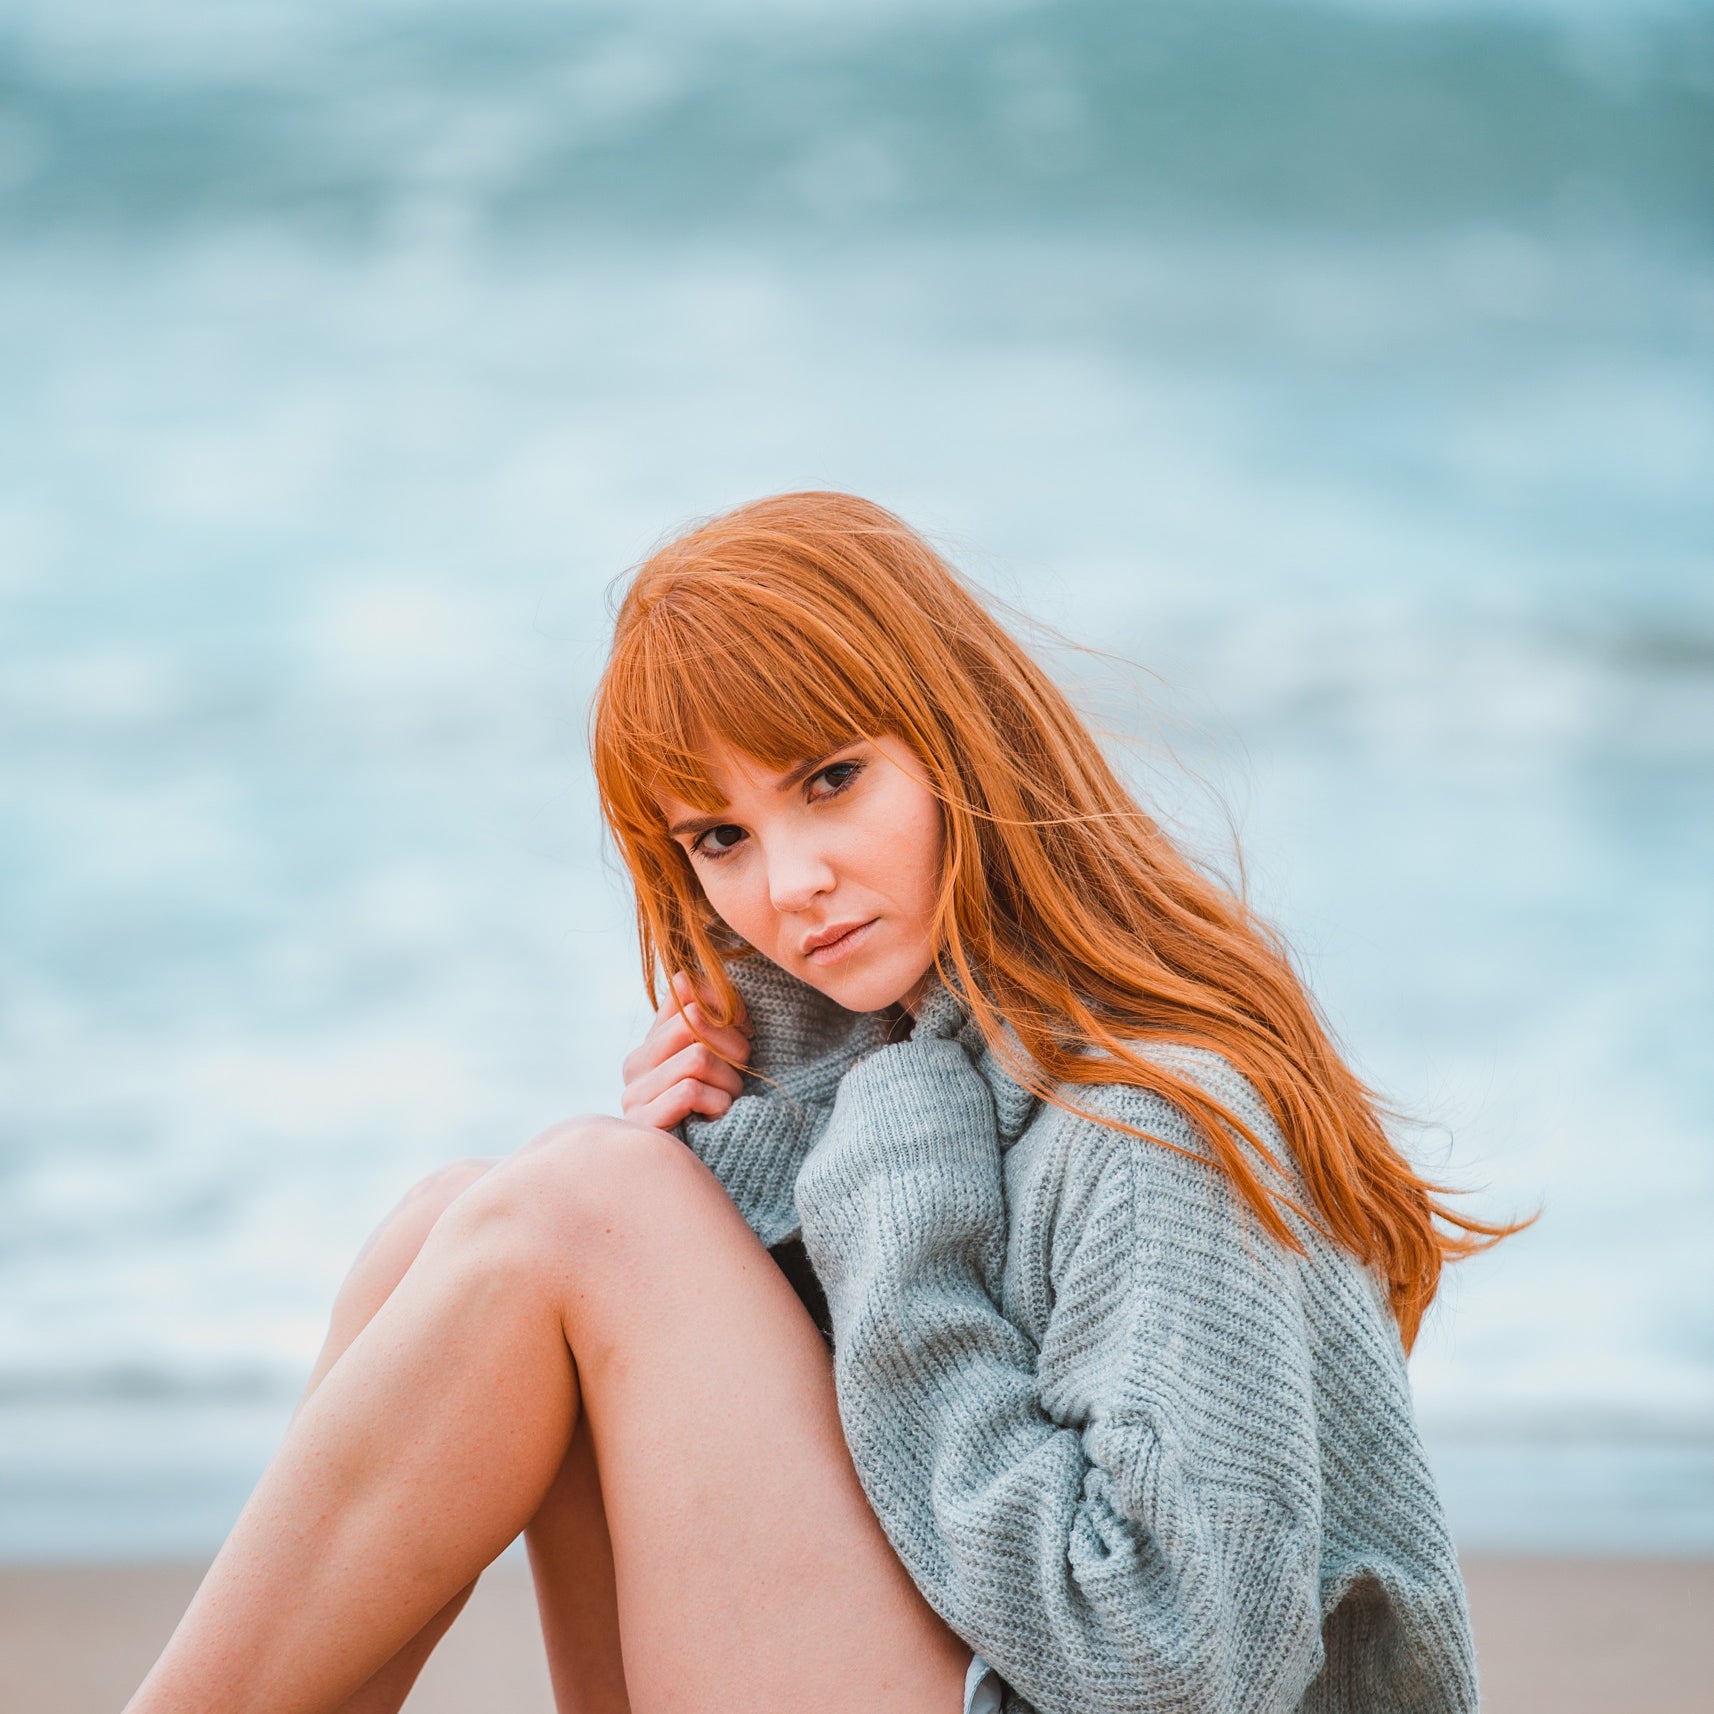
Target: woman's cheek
[745, 911]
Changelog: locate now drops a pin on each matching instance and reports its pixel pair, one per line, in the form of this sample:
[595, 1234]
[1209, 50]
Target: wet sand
[1554, 1636]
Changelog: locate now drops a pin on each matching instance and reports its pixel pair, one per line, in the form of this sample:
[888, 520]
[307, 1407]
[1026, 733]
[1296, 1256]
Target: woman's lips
[844, 946]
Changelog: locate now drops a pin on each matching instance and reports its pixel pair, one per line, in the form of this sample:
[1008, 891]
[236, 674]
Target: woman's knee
[393, 1245]
[423, 1204]
[388, 1253]
[429, 1197]
[580, 1181]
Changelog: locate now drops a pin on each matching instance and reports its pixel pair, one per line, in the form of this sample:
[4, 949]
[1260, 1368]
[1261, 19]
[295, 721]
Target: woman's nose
[798, 873]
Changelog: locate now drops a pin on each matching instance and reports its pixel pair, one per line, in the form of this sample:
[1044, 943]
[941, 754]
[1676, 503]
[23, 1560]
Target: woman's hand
[671, 1074]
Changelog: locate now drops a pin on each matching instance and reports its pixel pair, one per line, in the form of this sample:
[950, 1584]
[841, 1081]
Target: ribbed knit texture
[1134, 1452]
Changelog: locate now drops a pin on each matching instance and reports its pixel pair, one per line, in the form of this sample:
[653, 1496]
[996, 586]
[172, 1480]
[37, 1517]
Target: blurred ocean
[1350, 366]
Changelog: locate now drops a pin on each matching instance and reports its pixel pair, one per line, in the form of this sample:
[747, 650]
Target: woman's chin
[867, 990]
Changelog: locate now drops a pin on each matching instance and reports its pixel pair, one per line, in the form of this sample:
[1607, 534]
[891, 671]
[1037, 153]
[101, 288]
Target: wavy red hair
[793, 624]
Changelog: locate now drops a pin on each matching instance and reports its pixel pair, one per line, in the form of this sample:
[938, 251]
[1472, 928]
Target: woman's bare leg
[569, 1549]
[571, 1559]
[570, 1555]
[382, 1261]
[377, 1270]
[750, 1571]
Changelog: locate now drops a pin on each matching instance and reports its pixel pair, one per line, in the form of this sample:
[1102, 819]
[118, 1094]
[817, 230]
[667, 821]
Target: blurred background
[1348, 366]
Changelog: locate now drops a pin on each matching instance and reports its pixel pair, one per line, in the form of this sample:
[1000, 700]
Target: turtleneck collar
[942, 1012]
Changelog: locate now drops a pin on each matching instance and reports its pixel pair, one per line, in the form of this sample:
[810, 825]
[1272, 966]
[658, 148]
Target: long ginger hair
[792, 625]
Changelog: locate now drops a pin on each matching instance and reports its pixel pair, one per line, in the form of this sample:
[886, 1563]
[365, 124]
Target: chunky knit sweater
[1131, 1449]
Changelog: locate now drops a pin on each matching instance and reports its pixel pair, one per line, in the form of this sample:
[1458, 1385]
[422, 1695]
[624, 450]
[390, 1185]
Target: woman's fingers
[695, 1064]
[696, 1059]
[681, 1066]
[730, 1039]
[672, 1032]
[685, 1097]
[690, 990]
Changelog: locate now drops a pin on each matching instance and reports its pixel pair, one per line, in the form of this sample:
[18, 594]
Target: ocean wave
[519, 119]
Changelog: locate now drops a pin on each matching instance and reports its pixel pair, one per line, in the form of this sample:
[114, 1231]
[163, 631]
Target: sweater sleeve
[1104, 1555]
[801, 1044]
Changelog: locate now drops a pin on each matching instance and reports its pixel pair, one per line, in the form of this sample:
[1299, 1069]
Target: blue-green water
[1350, 367]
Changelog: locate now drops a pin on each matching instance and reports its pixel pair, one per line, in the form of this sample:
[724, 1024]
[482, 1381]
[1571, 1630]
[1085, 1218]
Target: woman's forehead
[711, 776]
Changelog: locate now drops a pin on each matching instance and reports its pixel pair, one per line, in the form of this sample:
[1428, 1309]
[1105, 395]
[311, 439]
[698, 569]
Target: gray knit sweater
[1135, 1453]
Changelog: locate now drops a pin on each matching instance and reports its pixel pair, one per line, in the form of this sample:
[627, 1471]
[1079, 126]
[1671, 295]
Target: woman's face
[829, 868]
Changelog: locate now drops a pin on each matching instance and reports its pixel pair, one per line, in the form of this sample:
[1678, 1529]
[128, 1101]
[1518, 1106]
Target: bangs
[683, 680]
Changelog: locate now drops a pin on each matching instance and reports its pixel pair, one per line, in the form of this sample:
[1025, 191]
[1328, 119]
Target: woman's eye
[717, 841]
[838, 776]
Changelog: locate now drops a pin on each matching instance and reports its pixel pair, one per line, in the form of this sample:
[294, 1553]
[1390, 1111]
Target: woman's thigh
[751, 1572]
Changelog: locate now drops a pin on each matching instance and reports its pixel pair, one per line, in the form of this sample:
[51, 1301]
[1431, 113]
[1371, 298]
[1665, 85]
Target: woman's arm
[1102, 1567]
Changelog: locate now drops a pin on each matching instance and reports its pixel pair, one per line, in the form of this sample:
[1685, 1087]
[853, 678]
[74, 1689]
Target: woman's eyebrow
[794, 775]
[801, 771]
[693, 824]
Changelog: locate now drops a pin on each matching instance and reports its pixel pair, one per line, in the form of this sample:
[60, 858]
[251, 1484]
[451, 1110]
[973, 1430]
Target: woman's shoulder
[1135, 1159]
[1177, 1198]
[1099, 1119]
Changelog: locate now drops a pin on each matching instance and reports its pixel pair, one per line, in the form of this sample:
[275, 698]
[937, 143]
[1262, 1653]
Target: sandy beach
[1555, 1636]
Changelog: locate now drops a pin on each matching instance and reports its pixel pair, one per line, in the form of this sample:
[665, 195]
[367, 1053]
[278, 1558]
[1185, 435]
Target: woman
[1115, 1265]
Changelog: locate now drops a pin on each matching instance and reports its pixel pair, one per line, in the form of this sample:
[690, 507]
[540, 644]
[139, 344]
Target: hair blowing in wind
[792, 625]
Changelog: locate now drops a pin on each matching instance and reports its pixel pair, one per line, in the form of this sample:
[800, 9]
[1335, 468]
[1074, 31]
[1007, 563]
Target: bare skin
[571, 1557]
[599, 1278]
[586, 1343]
